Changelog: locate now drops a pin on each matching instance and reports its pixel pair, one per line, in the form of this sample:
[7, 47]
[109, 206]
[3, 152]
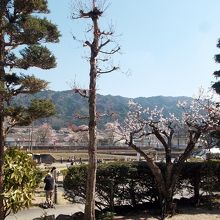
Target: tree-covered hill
[69, 104]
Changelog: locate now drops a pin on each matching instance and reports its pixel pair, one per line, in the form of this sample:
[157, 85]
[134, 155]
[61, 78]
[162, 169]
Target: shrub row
[124, 183]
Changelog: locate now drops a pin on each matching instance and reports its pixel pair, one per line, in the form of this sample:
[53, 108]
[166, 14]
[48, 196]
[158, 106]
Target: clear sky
[168, 46]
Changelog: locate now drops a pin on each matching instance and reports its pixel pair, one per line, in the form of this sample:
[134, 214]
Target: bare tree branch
[87, 43]
[108, 71]
[113, 51]
[103, 44]
[108, 33]
[82, 92]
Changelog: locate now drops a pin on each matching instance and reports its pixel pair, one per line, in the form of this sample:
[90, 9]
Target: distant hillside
[68, 103]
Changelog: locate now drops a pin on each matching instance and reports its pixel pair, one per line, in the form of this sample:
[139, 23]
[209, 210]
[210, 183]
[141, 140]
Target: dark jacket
[49, 182]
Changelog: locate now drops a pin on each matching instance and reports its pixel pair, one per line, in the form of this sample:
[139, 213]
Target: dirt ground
[187, 214]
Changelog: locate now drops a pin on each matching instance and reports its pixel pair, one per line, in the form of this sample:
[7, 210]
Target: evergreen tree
[23, 32]
[216, 85]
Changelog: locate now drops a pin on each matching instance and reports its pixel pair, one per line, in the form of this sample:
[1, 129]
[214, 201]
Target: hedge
[131, 183]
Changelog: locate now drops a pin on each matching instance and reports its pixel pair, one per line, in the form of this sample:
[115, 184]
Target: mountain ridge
[68, 104]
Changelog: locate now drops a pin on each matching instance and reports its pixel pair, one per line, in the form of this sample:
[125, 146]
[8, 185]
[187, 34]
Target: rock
[78, 216]
[64, 217]
[48, 217]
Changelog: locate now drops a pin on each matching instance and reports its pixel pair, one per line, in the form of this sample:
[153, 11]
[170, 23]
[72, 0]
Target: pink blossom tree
[45, 134]
[198, 117]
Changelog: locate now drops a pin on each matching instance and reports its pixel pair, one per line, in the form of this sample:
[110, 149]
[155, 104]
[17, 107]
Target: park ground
[189, 214]
[64, 207]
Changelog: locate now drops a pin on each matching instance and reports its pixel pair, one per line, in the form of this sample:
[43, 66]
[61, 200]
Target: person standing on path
[49, 181]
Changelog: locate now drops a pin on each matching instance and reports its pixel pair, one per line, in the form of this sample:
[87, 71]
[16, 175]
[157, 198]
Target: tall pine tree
[216, 85]
[23, 34]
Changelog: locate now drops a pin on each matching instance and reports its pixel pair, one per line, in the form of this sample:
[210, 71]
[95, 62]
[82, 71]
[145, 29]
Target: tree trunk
[2, 139]
[166, 202]
[165, 185]
[112, 193]
[2, 215]
[92, 163]
[92, 151]
[196, 185]
[132, 193]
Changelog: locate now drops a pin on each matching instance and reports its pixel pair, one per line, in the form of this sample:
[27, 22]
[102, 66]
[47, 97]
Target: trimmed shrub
[118, 183]
[132, 184]
[75, 183]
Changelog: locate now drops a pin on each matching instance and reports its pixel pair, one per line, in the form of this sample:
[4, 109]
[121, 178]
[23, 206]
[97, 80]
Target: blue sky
[168, 47]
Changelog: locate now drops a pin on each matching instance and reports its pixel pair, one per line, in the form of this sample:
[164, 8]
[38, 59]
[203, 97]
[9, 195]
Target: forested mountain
[68, 104]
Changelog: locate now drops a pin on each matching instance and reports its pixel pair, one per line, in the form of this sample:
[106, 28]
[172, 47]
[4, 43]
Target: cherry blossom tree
[198, 117]
[46, 134]
[78, 136]
[111, 132]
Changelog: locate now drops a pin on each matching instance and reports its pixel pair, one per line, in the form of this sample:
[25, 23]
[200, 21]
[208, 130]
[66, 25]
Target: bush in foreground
[21, 177]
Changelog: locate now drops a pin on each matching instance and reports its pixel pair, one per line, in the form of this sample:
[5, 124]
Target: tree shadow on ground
[209, 206]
